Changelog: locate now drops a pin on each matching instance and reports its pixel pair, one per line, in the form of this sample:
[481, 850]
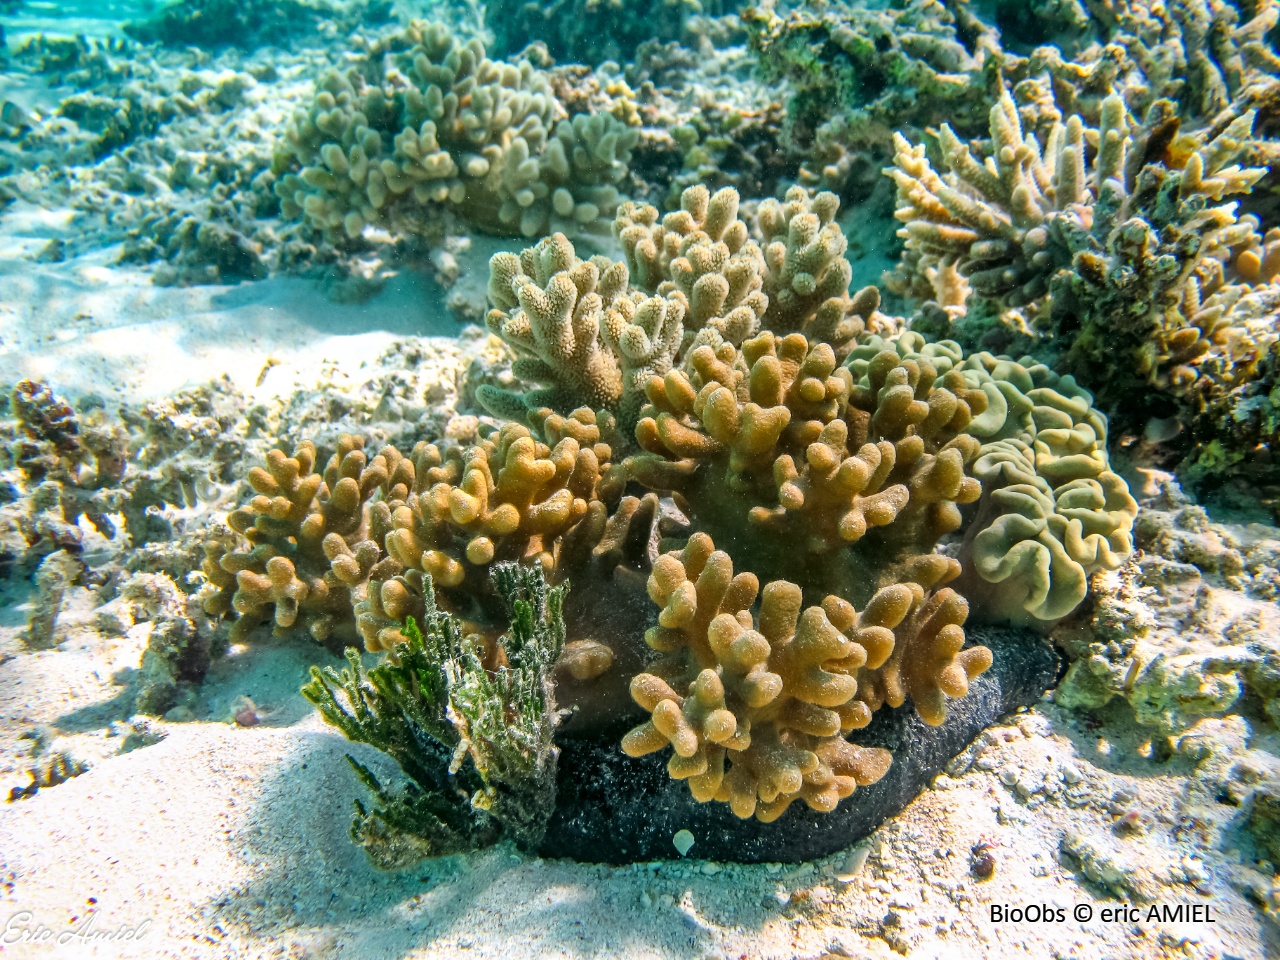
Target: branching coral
[1197, 53]
[806, 274]
[349, 552]
[755, 708]
[510, 497]
[300, 521]
[435, 122]
[587, 336]
[1112, 245]
[575, 330]
[777, 435]
[469, 725]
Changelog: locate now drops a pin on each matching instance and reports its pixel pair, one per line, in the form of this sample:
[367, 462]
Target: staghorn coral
[474, 739]
[433, 122]
[1100, 254]
[754, 708]
[1209, 56]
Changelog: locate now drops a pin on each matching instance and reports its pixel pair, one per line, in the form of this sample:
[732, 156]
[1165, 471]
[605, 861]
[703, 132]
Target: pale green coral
[435, 122]
[1052, 511]
[577, 331]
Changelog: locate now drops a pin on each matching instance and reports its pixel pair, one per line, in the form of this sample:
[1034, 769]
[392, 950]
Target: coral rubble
[591, 31]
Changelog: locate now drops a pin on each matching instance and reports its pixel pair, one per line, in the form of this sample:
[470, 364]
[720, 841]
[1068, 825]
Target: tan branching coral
[755, 708]
[1101, 252]
[348, 552]
[701, 254]
[650, 244]
[549, 307]
[777, 434]
[297, 524]
[510, 497]
[806, 273]
[596, 333]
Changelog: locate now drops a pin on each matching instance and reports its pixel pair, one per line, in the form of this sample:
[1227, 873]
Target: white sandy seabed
[222, 841]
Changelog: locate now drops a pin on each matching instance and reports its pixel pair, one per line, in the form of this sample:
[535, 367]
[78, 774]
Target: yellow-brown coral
[294, 525]
[755, 709]
[777, 434]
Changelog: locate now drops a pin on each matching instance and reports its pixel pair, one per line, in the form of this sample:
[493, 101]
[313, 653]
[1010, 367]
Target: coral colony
[818, 495]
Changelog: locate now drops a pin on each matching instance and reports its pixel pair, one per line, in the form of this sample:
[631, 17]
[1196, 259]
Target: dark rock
[612, 808]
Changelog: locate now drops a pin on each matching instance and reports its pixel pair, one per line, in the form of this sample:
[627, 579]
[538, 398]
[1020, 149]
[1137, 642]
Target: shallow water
[278, 225]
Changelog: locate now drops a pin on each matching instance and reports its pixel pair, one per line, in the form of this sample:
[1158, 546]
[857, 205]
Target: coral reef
[213, 23]
[595, 333]
[859, 74]
[435, 122]
[470, 724]
[834, 482]
[1186, 631]
[350, 550]
[1135, 267]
